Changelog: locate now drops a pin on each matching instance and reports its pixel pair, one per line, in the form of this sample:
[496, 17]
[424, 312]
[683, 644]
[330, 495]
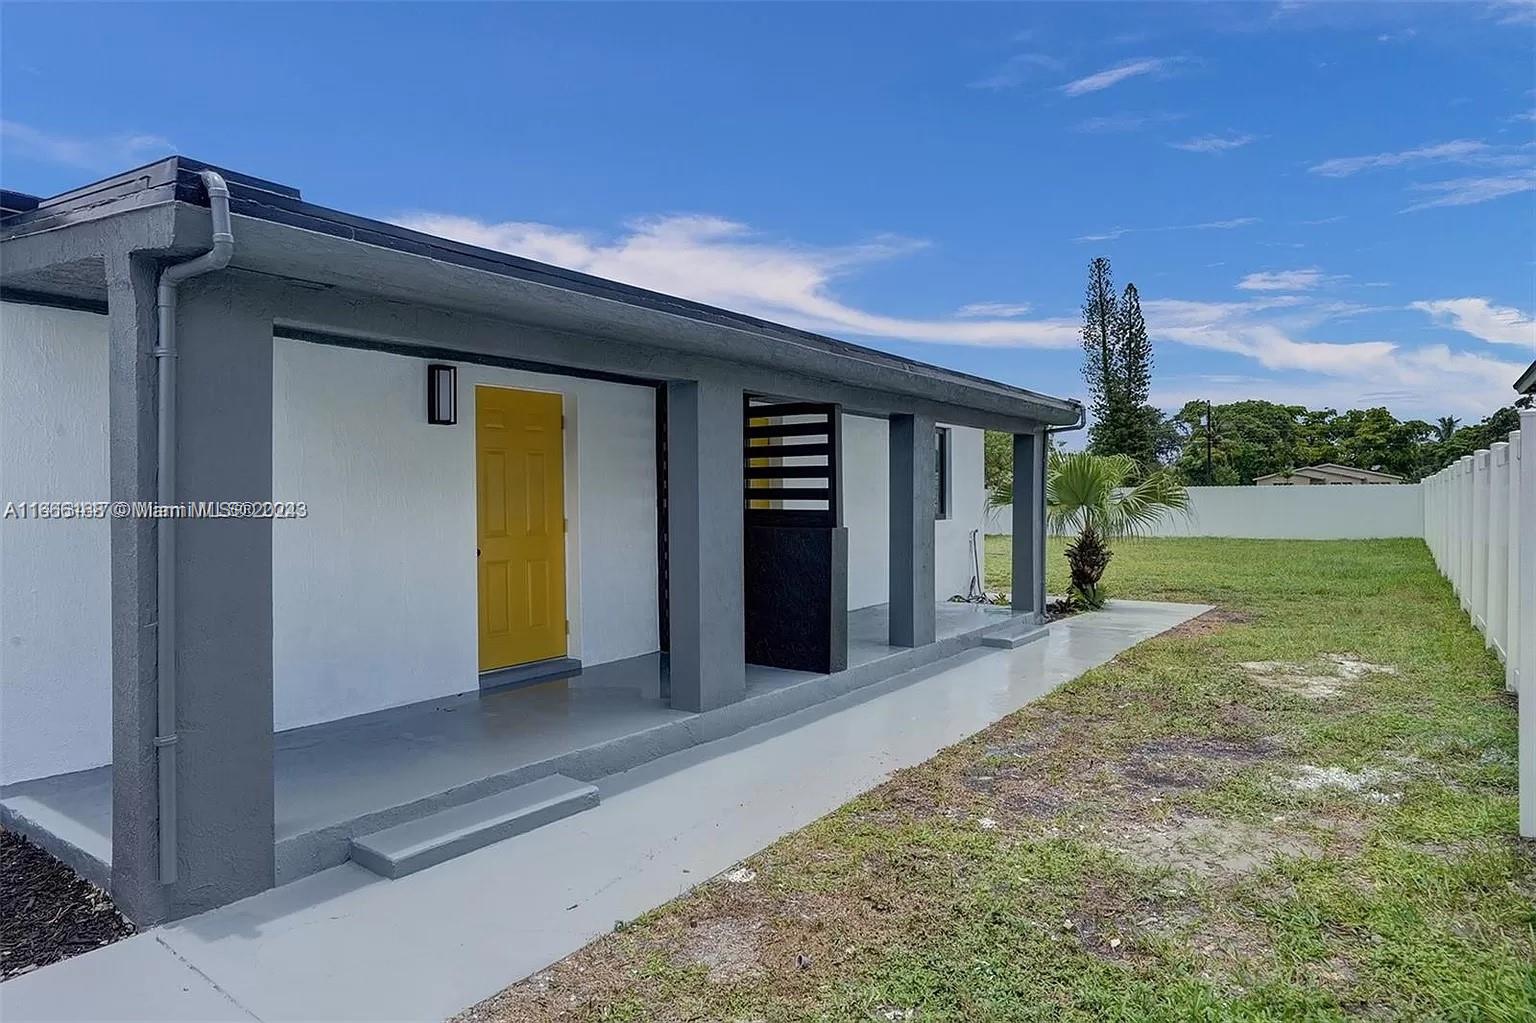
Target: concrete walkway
[345, 944]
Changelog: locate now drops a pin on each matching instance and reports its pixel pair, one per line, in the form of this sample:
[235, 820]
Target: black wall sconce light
[442, 394]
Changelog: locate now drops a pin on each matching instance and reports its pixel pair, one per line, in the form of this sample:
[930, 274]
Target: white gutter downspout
[215, 258]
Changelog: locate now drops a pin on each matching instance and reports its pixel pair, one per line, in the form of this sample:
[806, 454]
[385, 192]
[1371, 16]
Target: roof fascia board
[380, 275]
[138, 229]
[401, 328]
[660, 318]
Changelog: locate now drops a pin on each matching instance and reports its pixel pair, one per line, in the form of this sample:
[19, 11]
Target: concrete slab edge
[42, 834]
[313, 851]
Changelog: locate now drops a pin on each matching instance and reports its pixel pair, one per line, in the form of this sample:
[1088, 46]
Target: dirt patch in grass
[1323, 679]
[1206, 847]
[1370, 784]
[1211, 622]
[47, 911]
[1189, 763]
[727, 948]
[732, 936]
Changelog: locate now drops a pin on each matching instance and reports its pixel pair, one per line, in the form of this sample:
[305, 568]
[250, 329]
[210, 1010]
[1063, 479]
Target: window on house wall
[941, 463]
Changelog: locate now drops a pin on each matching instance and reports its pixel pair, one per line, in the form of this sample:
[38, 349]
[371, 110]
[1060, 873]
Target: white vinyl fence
[1480, 524]
[1285, 513]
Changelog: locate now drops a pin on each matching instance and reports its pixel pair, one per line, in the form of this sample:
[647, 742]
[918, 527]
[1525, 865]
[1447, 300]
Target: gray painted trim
[1029, 524]
[705, 545]
[435, 354]
[1526, 384]
[278, 206]
[131, 331]
[529, 674]
[342, 280]
[914, 501]
[79, 305]
[346, 317]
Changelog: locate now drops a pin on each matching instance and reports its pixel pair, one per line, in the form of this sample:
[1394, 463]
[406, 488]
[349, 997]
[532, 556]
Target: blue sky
[1331, 204]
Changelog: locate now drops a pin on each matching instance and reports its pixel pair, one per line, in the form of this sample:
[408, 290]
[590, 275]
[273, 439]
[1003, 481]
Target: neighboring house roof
[302, 243]
[1326, 470]
[1527, 382]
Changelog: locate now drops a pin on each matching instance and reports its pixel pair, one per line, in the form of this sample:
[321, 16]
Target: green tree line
[1234, 443]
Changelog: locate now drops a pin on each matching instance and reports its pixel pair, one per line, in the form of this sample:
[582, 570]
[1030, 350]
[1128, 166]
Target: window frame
[944, 473]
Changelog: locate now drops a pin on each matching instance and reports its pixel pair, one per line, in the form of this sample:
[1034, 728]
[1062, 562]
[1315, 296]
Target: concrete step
[1012, 636]
[416, 845]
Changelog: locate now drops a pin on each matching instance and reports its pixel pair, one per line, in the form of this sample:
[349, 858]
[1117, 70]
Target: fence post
[1518, 620]
[1431, 521]
[1438, 534]
[1527, 574]
[1453, 535]
[1498, 548]
[1478, 577]
[1464, 531]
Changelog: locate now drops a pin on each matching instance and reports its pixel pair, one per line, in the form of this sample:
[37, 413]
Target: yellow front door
[520, 485]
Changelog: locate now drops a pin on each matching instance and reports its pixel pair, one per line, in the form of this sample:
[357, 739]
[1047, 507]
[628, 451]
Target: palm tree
[1100, 498]
[1445, 428]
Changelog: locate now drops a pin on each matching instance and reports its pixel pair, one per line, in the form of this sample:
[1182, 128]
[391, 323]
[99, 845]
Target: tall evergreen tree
[1100, 313]
[1137, 421]
[1134, 350]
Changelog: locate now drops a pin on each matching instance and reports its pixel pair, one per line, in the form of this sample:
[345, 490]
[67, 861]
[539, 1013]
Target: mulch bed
[47, 911]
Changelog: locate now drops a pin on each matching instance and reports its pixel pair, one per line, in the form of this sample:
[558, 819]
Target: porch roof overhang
[56, 250]
[1526, 384]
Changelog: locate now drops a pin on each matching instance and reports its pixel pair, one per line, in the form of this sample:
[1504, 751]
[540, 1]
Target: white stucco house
[1327, 474]
[493, 530]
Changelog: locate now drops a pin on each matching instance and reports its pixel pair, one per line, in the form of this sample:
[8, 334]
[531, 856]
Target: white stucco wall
[866, 513]
[953, 566]
[374, 592]
[55, 596]
[1287, 513]
[1300, 513]
[376, 589]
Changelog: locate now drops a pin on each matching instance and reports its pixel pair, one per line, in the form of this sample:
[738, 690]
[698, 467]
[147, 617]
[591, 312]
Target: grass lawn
[1300, 807]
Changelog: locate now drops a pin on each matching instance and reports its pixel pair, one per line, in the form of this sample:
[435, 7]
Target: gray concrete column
[914, 503]
[705, 510]
[224, 620]
[131, 432]
[1029, 524]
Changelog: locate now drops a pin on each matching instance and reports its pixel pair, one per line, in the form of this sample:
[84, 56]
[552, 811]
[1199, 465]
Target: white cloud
[1214, 143]
[1283, 280]
[1018, 69]
[1457, 151]
[1209, 225]
[1515, 12]
[1101, 80]
[1426, 381]
[1324, 220]
[1500, 325]
[1124, 122]
[1001, 309]
[1469, 191]
[722, 262]
[108, 153]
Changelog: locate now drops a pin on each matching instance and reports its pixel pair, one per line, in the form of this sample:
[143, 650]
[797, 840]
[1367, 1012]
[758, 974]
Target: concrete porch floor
[356, 775]
[346, 944]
